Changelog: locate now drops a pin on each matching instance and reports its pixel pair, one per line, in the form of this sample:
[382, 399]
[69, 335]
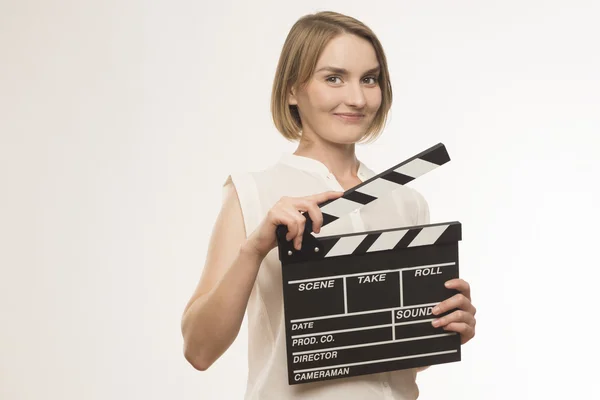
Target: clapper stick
[360, 303]
[364, 193]
[384, 183]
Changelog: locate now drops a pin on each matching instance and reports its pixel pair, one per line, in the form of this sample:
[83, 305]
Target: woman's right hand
[288, 211]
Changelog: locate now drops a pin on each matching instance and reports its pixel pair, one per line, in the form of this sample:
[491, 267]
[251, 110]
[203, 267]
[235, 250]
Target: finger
[289, 221]
[466, 331]
[321, 197]
[456, 316]
[301, 205]
[460, 285]
[456, 301]
[314, 212]
[280, 216]
[298, 221]
[316, 216]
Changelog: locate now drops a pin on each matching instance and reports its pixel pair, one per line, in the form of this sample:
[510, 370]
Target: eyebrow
[343, 71]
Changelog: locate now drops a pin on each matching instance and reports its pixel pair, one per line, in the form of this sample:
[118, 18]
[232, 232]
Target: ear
[292, 100]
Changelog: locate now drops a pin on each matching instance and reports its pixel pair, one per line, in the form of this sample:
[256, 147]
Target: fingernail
[435, 323]
[447, 284]
[436, 309]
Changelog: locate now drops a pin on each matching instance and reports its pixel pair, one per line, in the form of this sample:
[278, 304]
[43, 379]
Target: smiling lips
[350, 117]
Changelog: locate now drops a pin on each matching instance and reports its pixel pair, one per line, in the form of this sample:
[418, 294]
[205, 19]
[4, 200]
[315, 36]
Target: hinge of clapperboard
[355, 243]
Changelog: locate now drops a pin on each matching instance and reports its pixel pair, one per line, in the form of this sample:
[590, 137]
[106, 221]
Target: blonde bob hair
[297, 62]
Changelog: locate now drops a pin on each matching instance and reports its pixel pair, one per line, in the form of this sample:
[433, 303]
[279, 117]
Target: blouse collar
[312, 165]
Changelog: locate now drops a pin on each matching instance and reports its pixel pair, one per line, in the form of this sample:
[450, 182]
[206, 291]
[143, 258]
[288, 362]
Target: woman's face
[342, 97]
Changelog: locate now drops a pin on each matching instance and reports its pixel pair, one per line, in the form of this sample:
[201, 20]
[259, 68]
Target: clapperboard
[361, 303]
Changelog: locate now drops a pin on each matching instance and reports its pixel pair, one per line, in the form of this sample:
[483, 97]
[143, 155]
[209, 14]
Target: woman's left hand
[463, 319]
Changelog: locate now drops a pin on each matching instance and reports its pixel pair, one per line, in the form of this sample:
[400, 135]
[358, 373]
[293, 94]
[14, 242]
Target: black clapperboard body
[361, 303]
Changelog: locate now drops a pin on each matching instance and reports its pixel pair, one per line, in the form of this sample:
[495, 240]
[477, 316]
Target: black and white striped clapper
[361, 303]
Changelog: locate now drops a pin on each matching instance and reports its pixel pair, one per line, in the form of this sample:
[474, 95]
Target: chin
[348, 135]
[345, 137]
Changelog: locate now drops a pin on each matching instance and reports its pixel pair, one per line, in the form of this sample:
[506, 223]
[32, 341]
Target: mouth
[350, 117]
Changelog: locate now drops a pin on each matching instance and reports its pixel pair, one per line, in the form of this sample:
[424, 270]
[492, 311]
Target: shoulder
[250, 191]
[249, 181]
[271, 170]
[411, 203]
[417, 197]
[419, 205]
[273, 181]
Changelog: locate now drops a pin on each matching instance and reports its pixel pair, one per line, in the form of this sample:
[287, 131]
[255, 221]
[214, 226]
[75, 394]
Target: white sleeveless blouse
[297, 176]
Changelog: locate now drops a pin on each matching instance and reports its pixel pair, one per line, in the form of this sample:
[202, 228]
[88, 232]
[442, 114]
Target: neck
[340, 159]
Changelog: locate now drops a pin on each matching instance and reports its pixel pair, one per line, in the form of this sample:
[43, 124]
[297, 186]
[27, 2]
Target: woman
[331, 91]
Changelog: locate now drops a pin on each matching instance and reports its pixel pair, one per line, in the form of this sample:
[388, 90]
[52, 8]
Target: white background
[120, 120]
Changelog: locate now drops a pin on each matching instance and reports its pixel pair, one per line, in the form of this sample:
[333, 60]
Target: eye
[332, 79]
[370, 80]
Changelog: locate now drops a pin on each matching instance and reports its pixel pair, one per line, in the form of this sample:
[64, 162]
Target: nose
[355, 96]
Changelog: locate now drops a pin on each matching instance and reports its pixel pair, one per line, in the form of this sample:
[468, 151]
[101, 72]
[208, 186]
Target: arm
[214, 314]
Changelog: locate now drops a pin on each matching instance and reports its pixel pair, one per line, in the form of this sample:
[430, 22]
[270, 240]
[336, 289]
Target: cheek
[374, 99]
[322, 99]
